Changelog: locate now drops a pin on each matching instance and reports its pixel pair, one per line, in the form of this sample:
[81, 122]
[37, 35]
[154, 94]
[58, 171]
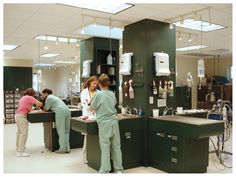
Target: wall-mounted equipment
[125, 64]
[86, 68]
[161, 64]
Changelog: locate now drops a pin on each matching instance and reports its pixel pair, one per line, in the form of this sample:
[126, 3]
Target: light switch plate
[151, 101]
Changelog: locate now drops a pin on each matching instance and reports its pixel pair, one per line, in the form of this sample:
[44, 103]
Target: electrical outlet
[151, 100]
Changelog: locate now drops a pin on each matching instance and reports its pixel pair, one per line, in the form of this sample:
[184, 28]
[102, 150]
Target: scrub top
[56, 105]
[104, 104]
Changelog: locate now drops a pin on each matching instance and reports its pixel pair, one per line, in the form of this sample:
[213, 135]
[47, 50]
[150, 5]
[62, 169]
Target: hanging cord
[219, 156]
[110, 34]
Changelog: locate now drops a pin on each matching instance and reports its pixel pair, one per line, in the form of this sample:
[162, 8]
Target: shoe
[67, 151]
[119, 171]
[22, 154]
[60, 151]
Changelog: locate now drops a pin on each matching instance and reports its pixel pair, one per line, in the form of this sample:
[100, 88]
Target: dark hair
[30, 92]
[90, 80]
[48, 91]
[104, 80]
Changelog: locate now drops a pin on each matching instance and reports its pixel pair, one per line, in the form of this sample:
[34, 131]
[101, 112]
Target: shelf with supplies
[11, 101]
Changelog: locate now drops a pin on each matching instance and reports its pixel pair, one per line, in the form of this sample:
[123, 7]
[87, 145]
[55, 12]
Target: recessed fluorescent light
[102, 31]
[196, 25]
[107, 6]
[56, 39]
[193, 47]
[9, 47]
[44, 64]
[49, 55]
[65, 62]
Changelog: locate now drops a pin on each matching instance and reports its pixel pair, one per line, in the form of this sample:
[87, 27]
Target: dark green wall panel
[143, 38]
[17, 77]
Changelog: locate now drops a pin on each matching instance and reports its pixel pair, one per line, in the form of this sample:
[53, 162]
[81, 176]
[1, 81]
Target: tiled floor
[43, 161]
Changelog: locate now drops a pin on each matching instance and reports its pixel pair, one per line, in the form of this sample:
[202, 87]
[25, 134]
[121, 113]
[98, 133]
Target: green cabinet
[131, 137]
[132, 148]
[172, 153]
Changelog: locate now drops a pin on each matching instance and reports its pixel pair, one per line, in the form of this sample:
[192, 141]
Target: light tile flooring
[43, 161]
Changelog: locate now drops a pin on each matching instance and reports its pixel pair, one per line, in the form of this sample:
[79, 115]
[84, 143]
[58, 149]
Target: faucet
[173, 112]
[136, 111]
[128, 109]
[166, 110]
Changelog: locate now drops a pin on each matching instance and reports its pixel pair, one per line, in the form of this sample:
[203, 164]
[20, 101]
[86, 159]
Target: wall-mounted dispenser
[161, 64]
[86, 68]
[125, 64]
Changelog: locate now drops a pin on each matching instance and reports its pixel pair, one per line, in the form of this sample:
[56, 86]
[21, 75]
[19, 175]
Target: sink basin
[125, 116]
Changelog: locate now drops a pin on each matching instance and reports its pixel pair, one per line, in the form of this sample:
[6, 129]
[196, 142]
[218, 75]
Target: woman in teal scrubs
[109, 136]
[62, 118]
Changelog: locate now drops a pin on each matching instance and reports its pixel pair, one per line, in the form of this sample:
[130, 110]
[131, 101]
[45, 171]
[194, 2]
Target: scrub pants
[22, 133]
[63, 130]
[109, 137]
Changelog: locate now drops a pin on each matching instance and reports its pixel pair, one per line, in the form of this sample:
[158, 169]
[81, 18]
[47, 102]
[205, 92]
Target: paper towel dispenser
[86, 68]
[125, 64]
[161, 64]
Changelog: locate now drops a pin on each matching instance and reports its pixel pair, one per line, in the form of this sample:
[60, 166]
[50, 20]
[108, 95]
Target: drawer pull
[174, 149]
[161, 134]
[174, 160]
[174, 138]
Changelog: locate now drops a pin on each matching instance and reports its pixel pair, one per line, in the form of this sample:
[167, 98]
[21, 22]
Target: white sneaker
[22, 154]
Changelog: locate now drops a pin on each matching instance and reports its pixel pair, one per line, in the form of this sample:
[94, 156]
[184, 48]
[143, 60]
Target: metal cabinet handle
[174, 160]
[127, 135]
[174, 149]
[160, 134]
[174, 138]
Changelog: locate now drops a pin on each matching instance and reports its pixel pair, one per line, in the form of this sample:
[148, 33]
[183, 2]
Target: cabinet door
[132, 148]
[157, 147]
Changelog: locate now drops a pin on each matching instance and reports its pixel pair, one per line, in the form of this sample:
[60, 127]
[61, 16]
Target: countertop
[188, 120]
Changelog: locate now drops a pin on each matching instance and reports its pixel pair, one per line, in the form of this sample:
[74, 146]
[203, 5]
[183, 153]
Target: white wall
[185, 64]
[18, 62]
[49, 79]
[63, 86]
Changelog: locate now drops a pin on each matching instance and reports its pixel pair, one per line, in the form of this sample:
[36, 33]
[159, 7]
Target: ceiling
[23, 22]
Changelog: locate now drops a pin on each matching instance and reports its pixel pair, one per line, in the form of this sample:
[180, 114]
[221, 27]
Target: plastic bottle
[154, 88]
[131, 92]
[224, 112]
[140, 112]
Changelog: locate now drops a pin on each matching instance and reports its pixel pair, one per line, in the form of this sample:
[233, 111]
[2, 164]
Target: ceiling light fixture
[193, 47]
[65, 62]
[9, 47]
[49, 55]
[179, 36]
[56, 38]
[106, 6]
[46, 47]
[189, 37]
[196, 25]
[57, 42]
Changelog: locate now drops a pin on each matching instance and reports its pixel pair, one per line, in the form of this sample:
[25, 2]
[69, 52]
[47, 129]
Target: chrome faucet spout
[166, 110]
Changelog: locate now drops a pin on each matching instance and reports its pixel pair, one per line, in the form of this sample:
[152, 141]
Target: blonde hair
[90, 80]
[104, 80]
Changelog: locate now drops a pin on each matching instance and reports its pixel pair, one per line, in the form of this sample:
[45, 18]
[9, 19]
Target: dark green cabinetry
[131, 137]
[17, 77]
[50, 132]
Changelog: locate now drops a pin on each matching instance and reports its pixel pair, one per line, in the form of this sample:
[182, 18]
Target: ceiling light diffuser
[106, 6]
[193, 47]
[9, 47]
[196, 25]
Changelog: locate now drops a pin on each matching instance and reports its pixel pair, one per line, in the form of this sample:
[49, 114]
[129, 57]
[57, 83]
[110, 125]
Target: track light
[46, 47]
[57, 42]
[179, 36]
[189, 37]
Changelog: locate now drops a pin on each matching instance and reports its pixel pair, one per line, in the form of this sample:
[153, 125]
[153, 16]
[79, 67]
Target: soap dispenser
[171, 88]
[164, 92]
[160, 89]
[131, 90]
[126, 88]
